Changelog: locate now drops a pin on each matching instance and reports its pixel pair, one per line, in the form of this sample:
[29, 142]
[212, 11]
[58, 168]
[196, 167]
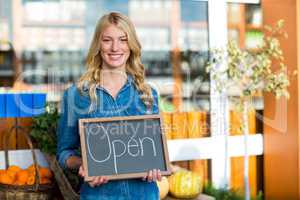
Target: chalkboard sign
[123, 147]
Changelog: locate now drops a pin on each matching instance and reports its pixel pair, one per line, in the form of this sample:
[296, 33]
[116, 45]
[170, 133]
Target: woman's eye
[124, 40]
[105, 40]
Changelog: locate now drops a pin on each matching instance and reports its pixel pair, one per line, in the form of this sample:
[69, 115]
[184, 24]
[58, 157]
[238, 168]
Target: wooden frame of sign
[123, 147]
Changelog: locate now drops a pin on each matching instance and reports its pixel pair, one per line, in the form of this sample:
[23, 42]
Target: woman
[113, 85]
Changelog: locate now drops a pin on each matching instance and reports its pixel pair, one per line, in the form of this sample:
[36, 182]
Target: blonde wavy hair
[134, 66]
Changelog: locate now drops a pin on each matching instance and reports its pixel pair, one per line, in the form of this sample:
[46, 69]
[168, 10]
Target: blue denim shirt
[76, 106]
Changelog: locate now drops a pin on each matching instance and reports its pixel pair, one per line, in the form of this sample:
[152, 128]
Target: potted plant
[250, 72]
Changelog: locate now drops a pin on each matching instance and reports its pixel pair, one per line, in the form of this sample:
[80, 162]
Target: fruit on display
[6, 179]
[14, 175]
[21, 177]
[14, 168]
[45, 172]
[185, 184]
[163, 187]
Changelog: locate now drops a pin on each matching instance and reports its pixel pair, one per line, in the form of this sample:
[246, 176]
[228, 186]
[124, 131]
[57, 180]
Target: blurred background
[44, 43]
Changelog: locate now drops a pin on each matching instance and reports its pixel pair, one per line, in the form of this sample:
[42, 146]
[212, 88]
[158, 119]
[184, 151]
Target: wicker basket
[27, 192]
[63, 183]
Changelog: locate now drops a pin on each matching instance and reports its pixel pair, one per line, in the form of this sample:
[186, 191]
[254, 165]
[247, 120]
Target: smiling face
[114, 48]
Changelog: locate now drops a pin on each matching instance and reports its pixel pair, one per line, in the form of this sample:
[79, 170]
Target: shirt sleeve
[68, 140]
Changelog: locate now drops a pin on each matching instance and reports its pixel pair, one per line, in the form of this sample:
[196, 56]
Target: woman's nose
[115, 46]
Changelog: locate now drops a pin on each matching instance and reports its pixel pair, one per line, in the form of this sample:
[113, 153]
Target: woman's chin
[114, 65]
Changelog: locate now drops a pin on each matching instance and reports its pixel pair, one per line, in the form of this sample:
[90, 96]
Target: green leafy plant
[227, 194]
[250, 72]
[43, 129]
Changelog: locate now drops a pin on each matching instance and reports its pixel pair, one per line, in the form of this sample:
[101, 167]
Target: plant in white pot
[250, 72]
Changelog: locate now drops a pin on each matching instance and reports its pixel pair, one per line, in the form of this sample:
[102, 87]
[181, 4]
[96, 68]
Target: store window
[174, 41]
[53, 40]
[175, 46]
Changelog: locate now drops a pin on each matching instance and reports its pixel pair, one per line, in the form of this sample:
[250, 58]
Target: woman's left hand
[153, 175]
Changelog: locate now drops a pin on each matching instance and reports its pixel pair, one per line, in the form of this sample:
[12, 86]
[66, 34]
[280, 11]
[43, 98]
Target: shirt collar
[128, 82]
[129, 79]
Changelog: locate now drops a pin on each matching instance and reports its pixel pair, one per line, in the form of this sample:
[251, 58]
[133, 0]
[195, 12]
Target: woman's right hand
[96, 181]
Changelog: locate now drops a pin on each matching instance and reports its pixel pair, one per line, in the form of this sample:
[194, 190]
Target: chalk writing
[133, 142]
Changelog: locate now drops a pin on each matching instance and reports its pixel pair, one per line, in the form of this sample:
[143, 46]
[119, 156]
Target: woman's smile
[114, 56]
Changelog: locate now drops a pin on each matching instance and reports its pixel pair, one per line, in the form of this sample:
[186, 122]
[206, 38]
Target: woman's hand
[96, 181]
[153, 175]
[73, 162]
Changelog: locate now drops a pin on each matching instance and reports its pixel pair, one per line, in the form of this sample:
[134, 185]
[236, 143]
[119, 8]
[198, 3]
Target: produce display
[14, 175]
[185, 184]
[182, 184]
